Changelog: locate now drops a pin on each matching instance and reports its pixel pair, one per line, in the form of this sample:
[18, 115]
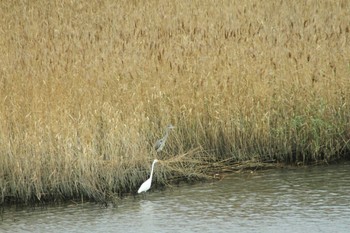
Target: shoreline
[205, 171]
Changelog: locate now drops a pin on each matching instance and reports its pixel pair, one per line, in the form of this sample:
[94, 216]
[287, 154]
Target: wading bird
[161, 142]
[147, 184]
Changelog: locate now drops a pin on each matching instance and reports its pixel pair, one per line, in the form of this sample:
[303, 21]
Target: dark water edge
[115, 198]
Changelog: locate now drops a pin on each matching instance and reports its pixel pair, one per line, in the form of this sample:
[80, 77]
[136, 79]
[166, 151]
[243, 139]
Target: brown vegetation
[86, 88]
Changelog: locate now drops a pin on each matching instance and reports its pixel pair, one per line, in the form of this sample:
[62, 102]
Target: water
[315, 199]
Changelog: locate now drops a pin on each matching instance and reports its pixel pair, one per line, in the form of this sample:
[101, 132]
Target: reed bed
[87, 87]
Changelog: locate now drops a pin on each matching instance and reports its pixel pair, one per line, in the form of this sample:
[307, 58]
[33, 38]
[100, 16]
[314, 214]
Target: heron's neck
[166, 133]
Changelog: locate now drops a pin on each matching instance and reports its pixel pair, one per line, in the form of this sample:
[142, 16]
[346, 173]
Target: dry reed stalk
[87, 87]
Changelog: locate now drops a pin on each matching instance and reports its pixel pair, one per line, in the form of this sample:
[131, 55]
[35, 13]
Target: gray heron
[161, 142]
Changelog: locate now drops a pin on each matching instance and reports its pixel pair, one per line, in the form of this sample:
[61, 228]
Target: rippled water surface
[315, 199]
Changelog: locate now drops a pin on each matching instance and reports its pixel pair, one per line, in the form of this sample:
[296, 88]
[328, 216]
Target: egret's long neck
[152, 169]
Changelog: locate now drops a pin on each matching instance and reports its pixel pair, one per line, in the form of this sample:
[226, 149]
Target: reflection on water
[309, 200]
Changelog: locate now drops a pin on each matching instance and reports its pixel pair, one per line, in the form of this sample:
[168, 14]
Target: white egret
[161, 142]
[147, 184]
